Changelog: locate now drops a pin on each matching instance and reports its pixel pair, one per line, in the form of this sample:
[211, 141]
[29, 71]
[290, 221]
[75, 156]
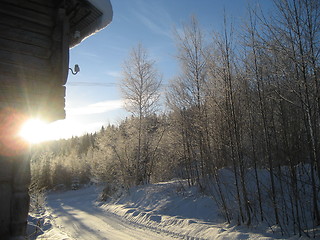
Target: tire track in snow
[80, 219]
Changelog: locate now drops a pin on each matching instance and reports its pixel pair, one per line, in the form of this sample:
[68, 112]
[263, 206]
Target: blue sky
[90, 105]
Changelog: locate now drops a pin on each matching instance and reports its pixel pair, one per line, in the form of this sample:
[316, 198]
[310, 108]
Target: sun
[35, 131]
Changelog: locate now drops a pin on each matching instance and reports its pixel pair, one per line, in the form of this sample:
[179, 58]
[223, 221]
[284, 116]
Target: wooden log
[13, 85]
[44, 101]
[32, 89]
[19, 23]
[24, 36]
[24, 61]
[34, 6]
[24, 48]
[15, 73]
[26, 14]
[47, 3]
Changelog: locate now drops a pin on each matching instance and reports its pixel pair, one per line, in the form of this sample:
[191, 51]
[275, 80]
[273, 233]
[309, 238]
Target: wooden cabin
[35, 37]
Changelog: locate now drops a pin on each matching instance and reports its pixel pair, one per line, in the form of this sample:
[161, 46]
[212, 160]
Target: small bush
[108, 191]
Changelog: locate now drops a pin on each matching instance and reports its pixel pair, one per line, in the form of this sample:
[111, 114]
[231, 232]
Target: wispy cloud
[89, 54]
[155, 17]
[115, 74]
[96, 108]
[153, 25]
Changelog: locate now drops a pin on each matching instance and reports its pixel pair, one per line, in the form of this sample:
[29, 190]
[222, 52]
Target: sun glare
[34, 131]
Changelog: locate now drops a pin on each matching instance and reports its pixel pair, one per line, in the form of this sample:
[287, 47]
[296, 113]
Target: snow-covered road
[150, 212]
[76, 215]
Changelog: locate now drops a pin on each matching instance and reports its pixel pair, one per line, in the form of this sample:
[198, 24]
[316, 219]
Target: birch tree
[140, 87]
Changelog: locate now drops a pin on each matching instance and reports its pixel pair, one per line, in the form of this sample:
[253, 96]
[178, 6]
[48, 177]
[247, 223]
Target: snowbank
[40, 226]
[183, 212]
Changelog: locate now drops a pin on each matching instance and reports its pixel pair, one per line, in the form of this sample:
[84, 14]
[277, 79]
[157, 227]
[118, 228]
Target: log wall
[34, 58]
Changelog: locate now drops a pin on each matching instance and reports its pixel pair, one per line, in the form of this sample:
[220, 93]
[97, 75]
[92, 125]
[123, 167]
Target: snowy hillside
[168, 210]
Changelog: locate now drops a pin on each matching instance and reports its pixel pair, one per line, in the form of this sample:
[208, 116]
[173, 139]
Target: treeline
[59, 163]
[246, 101]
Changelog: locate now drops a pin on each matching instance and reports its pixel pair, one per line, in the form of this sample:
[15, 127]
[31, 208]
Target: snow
[105, 7]
[104, 20]
[75, 215]
[167, 210]
[173, 208]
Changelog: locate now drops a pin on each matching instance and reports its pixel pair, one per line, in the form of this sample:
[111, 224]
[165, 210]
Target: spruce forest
[245, 104]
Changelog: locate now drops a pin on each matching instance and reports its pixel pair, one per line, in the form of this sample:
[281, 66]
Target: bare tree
[295, 35]
[140, 87]
[186, 97]
[140, 83]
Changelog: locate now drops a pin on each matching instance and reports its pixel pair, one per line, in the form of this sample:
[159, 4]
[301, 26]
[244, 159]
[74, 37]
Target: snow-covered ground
[157, 211]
